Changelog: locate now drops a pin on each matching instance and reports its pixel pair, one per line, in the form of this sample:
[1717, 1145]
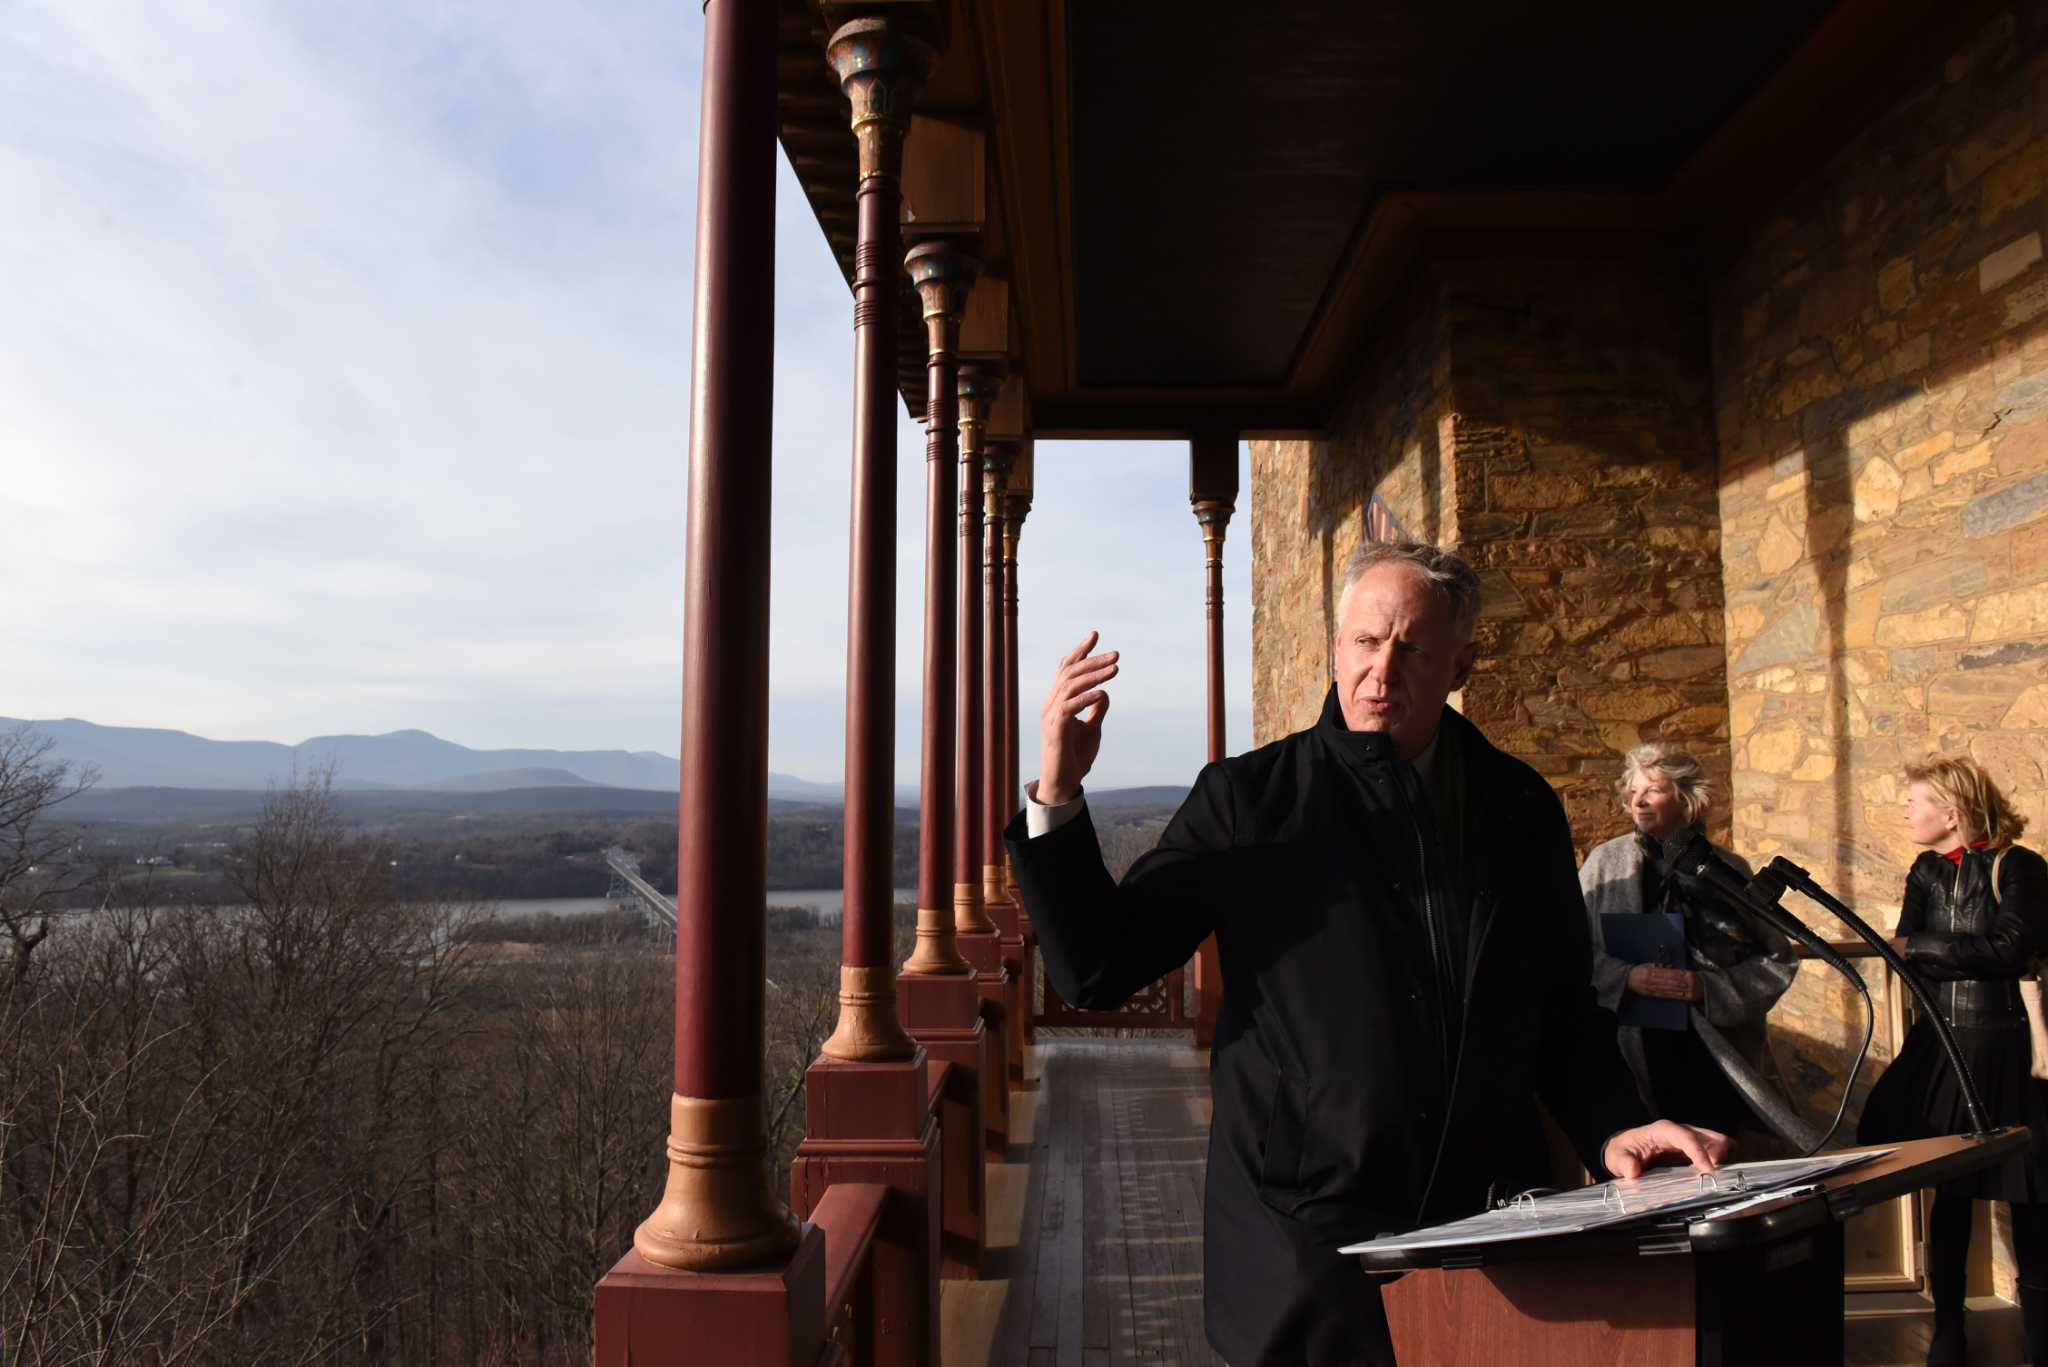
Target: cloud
[344, 386]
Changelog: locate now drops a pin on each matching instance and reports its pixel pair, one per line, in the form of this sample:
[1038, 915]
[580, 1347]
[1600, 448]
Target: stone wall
[1551, 414]
[1583, 465]
[1881, 360]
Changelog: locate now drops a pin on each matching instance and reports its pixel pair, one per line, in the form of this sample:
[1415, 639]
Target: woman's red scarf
[1955, 856]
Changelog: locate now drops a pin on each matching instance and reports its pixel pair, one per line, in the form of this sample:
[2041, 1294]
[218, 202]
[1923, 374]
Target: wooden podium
[1760, 1286]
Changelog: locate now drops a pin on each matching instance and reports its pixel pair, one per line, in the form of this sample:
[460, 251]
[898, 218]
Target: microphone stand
[1760, 894]
[1781, 873]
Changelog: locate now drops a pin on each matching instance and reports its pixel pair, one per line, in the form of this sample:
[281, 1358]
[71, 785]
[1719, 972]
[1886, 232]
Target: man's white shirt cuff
[1040, 819]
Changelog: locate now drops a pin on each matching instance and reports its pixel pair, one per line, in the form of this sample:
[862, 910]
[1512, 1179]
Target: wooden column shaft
[943, 274]
[880, 69]
[721, 886]
[717, 1209]
[977, 387]
[995, 657]
[871, 589]
[1019, 504]
[1214, 517]
[1212, 490]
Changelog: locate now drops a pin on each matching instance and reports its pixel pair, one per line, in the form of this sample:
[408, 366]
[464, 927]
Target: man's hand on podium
[1629, 1152]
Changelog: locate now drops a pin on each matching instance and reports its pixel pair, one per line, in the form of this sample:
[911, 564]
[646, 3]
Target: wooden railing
[1161, 1006]
[850, 1215]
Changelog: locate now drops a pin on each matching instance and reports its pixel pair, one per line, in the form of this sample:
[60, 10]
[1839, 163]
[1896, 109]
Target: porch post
[978, 386]
[880, 69]
[1017, 506]
[977, 936]
[718, 1213]
[1212, 490]
[995, 813]
[943, 274]
[868, 1114]
[997, 798]
[937, 990]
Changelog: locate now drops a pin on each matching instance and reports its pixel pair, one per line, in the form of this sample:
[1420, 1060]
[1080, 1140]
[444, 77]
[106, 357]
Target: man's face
[1398, 656]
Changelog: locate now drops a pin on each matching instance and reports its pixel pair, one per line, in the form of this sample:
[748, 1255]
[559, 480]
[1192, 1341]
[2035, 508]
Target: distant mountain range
[147, 757]
[411, 767]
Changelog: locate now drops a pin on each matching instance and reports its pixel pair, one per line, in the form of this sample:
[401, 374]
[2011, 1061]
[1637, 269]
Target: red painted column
[1017, 501]
[1212, 490]
[880, 68]
[937, 990]
[995, 810]
[978, 387]
[943, 274]
[719, 1272]
[976, 935]
[996, 800]
[868, 1114]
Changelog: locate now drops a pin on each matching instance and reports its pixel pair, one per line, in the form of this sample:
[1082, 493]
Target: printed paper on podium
[1661, 1191]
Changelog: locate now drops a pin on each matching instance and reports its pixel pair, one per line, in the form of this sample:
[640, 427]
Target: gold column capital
[881, 68]
[977, 388]
[1016, 507]
[996, 460]
[943, 273]
[1214, 516]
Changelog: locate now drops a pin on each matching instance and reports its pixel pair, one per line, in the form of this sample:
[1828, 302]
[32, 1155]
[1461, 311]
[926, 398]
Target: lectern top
[1676, 1211]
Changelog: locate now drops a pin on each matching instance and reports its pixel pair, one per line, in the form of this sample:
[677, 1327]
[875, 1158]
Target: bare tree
[218, 1125]
[41, 872]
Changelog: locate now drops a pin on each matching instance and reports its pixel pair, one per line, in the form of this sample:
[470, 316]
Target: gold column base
[935, 951]
[995, 888]
[868, 1031]
[718, 1212]
[968, 916]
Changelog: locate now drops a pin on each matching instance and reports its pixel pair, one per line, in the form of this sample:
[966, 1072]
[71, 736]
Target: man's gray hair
[1678, 767]
[1446, 570]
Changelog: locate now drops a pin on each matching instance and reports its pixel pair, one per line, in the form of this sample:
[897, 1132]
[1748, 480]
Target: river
[826, 901]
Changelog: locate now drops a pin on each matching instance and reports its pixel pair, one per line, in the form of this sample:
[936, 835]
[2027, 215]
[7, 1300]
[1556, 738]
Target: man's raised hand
[1068, 742]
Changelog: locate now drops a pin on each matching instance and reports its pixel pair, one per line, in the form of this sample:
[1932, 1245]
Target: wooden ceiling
[1197, 220]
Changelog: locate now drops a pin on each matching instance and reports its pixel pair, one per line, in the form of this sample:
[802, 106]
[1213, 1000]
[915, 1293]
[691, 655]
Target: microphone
[1690, 853]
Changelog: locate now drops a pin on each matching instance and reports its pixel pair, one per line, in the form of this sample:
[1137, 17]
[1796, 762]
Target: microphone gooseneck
[1689, 854]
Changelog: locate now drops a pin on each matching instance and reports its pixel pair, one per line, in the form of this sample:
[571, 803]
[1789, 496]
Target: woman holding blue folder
[1690, 982]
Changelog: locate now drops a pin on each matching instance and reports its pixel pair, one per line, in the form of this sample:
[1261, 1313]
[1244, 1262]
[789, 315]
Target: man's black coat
[1405, 971]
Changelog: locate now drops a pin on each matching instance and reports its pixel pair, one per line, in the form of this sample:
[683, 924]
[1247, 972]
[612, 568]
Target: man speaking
[1403, 945]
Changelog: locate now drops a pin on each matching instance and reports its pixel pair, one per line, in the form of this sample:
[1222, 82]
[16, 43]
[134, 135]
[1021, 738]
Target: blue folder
[1648, 937]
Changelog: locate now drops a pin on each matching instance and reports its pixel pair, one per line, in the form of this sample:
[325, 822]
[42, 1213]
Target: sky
[344, 358]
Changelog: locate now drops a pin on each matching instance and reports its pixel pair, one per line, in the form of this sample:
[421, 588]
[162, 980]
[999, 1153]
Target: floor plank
[1057, 1107]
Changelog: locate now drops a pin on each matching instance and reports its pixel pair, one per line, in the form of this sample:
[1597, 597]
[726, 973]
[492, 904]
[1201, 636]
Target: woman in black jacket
[1975, 916]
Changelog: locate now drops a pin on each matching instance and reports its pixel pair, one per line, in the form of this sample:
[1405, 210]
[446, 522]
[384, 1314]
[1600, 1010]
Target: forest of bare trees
[325, 1125]
[316, 1121]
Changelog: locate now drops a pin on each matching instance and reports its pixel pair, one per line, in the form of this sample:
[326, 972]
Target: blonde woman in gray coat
[1714, 1072]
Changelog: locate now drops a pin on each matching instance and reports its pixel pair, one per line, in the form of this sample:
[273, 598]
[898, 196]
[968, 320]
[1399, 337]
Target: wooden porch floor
[1095, 1243]
[1095, 1227]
